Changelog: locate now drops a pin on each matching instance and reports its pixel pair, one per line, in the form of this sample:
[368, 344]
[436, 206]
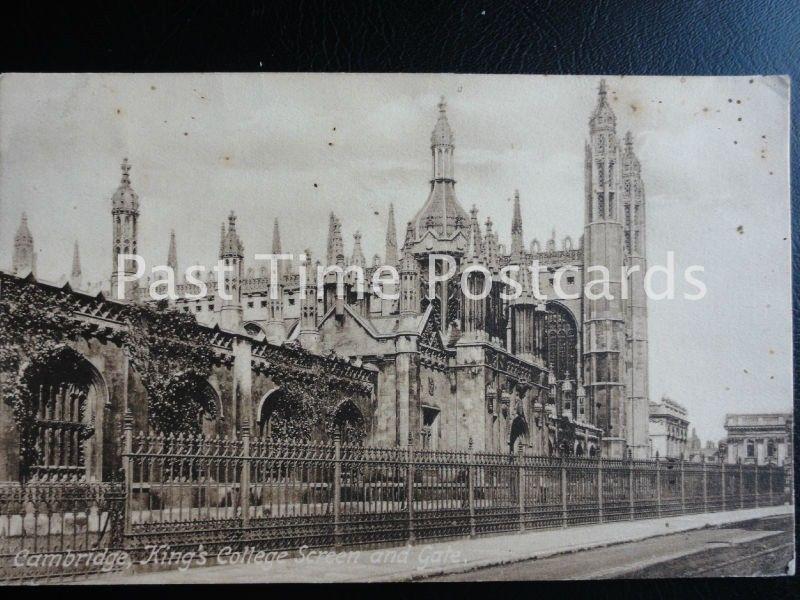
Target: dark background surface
[672, 37]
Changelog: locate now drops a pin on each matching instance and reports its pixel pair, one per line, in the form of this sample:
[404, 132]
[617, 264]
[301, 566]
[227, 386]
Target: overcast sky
[714, 154]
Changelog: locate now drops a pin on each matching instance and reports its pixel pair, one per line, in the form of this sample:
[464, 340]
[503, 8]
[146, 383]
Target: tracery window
[63, 390]
[561, 343]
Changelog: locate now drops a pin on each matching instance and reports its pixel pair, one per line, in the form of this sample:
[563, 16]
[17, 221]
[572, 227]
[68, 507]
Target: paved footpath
[409, 563]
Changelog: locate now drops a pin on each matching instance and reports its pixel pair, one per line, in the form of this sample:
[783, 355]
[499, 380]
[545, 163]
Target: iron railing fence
[59, 530]
[279, 495]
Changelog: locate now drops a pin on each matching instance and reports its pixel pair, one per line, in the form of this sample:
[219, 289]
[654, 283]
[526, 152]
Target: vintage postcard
[342, 327]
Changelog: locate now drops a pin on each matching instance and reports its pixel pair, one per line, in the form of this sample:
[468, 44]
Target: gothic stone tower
[125, 217]
[604, 319]
[636, 353]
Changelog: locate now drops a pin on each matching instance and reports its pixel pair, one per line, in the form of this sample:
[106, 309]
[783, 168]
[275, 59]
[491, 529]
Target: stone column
[406, 370]
[242, 382]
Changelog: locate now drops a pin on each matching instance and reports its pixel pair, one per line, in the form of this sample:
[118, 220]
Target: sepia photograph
[394, 327]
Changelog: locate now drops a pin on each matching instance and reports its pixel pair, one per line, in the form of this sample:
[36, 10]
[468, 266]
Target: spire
[602, 118]
[76, 279]
[335, 242]
[331, 254]
[391, 239]
[442, 134]
[475, 242]
[24, 259]
[490, 246]
[630, 163]
[276, 238]
[517, 244]
[172, 255]
[231, 245]
[441, 213]
[358, 258]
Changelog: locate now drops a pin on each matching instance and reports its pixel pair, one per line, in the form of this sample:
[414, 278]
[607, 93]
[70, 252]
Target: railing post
[471, 489]
[631, 489]
[410, 488]
[521, 489]
[724, 483]
[337, 488]
[244, 481]
[600, 489]
[563, 493]
[741, 483]
[755, 482]
[769, 474]
[127, 466]
[683, 488]
[705, 482]
[658, 486]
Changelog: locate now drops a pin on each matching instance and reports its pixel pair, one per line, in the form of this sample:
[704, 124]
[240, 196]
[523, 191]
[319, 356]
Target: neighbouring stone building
[668, 429]
[759, 438]
[711, 452]
[567, 376]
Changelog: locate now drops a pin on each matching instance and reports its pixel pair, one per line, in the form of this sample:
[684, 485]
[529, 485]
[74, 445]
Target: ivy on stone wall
[174, 363]
[34, 329]
[307, 408]
[36, 325]
[173, 358]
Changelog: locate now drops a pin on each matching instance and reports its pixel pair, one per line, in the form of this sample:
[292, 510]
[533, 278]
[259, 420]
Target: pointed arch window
[561, 349]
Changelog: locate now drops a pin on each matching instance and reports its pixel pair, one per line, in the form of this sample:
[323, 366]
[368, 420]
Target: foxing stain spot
[735, 142]
[634, 108]
[330, 143]
[738, 102]
[771, 351]
[152, 87]
[746, 371]
[119, 111]
[751, 81]
[185, 133]
[739, 119]
[740, 230]
[730, 99]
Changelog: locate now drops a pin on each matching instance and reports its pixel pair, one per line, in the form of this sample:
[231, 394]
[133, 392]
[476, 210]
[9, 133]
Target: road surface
[762, 547]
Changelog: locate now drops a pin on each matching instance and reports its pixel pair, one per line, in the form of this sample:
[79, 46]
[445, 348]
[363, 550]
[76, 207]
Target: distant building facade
[759, 438]
[668, 429]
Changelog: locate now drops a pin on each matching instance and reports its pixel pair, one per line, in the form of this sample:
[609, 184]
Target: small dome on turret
[125, 198]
